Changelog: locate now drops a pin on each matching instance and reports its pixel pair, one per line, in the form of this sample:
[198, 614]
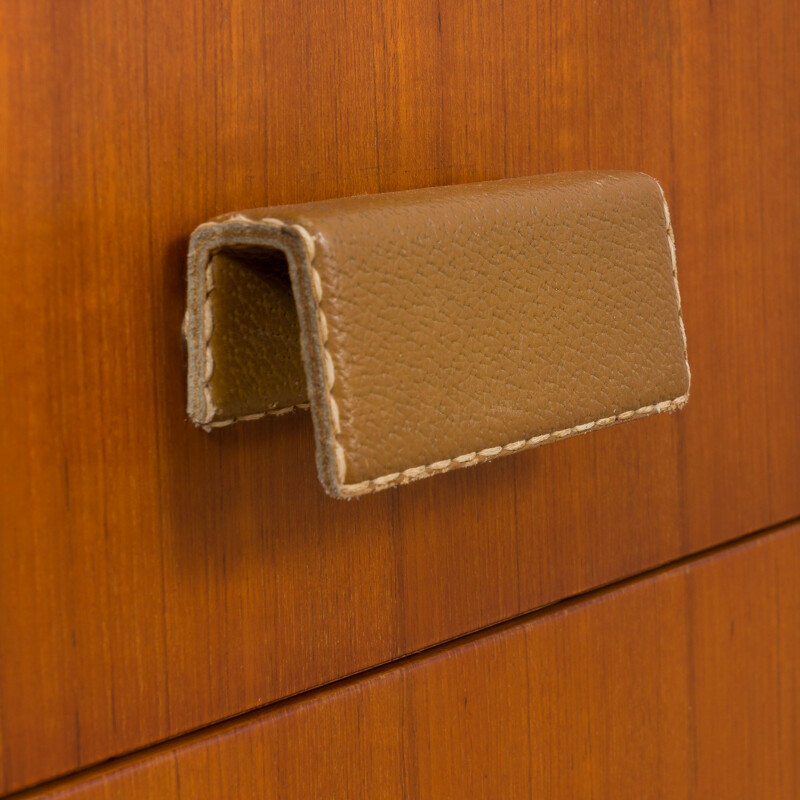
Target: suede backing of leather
[256, 337]
[446, 326]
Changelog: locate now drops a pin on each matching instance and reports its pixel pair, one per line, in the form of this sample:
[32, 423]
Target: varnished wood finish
[684, 684]
[154, 578]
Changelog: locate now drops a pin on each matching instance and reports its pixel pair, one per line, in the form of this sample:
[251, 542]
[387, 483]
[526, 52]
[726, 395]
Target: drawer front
[680, 684]
[155, 578]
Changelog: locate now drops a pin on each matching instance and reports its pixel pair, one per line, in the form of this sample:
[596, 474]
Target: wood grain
[153, 578]
[682, 684]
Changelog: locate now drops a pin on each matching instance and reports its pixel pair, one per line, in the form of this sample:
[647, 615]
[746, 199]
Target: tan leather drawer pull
[438, 328]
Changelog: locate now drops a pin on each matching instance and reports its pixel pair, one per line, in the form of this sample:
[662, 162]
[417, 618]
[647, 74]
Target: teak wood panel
[154, 578]
[683, 684]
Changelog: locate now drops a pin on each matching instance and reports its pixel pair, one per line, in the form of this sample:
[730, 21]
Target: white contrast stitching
[673, 256]
[340, 459]
[223, 423]
[413, 473]
[443, 465]
[487, 454]
[208, 332]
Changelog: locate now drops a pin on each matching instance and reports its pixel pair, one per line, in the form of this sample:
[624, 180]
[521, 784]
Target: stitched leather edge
[238, 230]
[276, 412]
[198, 325]
[489, 453]
[211, 410]
[332, 460]
[673, 256]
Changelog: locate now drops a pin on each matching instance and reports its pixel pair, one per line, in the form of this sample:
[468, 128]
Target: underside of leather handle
[438, 328]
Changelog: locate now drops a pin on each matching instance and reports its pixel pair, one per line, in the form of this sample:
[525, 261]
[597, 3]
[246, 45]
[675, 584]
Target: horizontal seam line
[221, 726]
[484, 454]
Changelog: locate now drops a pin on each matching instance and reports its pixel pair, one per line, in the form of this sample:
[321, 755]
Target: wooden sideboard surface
[680, 684]
[155, 579]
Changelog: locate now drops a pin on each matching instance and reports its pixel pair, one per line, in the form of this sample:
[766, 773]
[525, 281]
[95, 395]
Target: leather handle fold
[438, 328]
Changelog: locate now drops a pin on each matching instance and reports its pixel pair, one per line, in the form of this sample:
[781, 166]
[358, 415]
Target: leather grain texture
[440, 327]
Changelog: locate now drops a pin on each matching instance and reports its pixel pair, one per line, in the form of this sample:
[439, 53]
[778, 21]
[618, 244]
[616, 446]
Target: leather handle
[438, 328]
